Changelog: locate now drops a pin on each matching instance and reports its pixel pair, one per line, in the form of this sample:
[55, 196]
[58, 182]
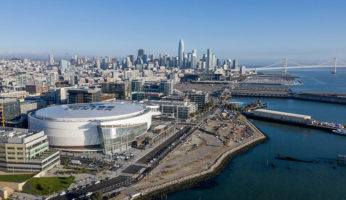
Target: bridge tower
[285, 65]
[334, 62]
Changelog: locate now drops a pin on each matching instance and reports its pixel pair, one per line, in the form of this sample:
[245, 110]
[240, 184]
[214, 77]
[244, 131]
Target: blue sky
[244, 29]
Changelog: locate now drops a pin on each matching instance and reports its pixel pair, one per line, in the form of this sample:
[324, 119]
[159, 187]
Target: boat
[340, 131]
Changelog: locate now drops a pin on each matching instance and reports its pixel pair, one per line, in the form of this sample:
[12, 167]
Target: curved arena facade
[83, 127]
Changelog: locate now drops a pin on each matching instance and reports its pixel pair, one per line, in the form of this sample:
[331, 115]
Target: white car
[88, 194]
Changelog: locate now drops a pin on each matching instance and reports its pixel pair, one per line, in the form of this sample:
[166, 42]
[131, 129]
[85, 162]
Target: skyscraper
[181, 53]
[209, 60]
[64, 66]
[140, 52]
[235, 64]
[194, 59]
[51, 59]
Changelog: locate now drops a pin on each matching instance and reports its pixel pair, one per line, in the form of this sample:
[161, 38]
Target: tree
[66, 161]
[96, 196]
[39, 187]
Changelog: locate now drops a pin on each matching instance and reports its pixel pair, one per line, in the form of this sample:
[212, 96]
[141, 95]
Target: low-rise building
[10, 109]
[23, 150]
[34, 89]
[176, 109]
[121, 90]
[200, 98]
[84, 96]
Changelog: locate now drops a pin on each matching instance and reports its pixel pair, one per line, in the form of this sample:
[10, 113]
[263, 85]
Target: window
[20, 158]
[10, 153]
[19, 153]
[11, 158]
[10, 148]
[19, 148]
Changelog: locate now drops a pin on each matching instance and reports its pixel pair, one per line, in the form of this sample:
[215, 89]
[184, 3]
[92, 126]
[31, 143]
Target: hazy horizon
[260, 32]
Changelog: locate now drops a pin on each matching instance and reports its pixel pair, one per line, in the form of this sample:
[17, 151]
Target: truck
[76, 162]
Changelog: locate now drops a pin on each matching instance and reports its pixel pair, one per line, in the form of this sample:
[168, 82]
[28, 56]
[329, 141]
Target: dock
[292, 119]
[280, 91]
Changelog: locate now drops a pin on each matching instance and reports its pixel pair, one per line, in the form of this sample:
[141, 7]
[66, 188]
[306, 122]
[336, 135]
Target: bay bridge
[286, 64]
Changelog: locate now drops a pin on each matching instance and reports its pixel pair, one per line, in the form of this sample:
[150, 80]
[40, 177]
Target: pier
[279, 91]
[292, 119]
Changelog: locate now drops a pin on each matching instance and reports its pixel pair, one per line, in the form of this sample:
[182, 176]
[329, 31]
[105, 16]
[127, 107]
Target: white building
[91, 127]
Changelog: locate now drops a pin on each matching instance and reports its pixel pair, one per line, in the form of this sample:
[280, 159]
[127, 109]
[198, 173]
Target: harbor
[310, 180]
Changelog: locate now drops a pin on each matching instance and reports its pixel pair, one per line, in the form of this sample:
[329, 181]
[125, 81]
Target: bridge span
[283, 65]
[297, 67]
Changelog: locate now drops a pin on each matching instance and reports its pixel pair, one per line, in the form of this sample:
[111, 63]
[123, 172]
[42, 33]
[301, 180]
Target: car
[88, 194]
[62, 193]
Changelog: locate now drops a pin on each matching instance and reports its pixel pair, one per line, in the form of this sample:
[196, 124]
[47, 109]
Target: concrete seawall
[189, 181]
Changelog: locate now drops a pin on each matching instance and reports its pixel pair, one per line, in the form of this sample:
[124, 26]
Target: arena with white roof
[87, 127]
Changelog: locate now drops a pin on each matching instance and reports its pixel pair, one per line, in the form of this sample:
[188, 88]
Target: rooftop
[95, 111]
[282, 113]
[14, 134]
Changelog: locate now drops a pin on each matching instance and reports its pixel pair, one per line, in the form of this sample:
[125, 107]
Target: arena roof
[96, 111]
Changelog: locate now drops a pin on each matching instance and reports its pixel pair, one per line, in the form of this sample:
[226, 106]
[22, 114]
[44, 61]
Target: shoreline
[219, 165]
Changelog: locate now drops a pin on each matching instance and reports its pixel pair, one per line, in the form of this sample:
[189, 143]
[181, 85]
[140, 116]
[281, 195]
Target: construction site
[200, 154]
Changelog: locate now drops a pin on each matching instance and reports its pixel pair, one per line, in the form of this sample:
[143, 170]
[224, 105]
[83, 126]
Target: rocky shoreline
[191, 180]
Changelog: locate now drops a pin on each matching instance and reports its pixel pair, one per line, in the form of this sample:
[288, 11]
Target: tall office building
[51, 59]
[140, 53]
[235, 64]
[194, 59]
[209, 60]
[181, 53]
[214, 62]
[64, 66]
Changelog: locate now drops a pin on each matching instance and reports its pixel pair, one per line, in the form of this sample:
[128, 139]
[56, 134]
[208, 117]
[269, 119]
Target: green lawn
[18, 178]
[47, 185]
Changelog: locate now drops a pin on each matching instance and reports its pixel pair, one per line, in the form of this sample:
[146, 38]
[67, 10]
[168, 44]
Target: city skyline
[247, 30]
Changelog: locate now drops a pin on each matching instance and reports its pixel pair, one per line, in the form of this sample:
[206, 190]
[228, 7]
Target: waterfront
[248, 176]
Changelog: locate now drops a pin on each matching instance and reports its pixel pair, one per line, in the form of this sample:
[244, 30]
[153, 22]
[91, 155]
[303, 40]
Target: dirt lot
[200, 150]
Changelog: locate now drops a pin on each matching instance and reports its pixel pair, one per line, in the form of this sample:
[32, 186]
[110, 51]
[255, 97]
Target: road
[153, 158]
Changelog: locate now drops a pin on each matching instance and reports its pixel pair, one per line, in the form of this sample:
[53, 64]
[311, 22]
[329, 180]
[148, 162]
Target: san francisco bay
[257, 174]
